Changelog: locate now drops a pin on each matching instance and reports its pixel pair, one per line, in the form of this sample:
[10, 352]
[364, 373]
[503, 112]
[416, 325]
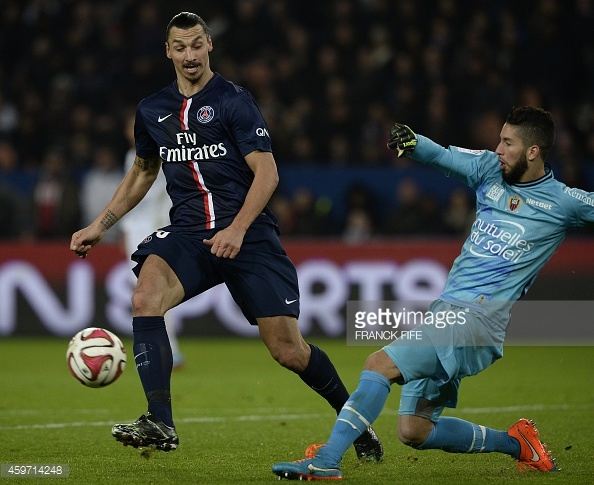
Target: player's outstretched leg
[521, 442]
[356, 416]
[146, 431]
[286, 345]
[322, 376]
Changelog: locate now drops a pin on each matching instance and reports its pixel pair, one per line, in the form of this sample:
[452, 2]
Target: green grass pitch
[237, 413]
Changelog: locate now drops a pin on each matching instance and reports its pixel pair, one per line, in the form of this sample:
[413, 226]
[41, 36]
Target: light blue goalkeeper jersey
[518, 227]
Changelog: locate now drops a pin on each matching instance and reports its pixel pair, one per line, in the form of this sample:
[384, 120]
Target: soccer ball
[96, 357]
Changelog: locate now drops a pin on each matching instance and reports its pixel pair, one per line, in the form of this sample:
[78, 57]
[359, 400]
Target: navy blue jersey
[202, 141]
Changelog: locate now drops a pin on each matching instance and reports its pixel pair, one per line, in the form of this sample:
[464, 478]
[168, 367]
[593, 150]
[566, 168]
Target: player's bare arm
[129, 193]
[148, 164]
[263, 186]
[109, 219]
[227, 243]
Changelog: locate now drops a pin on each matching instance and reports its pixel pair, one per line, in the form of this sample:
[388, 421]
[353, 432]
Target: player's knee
[411, 434]
[374, 362]
[410, 437]
[286, 357]
[144, 304]
[380, 362]
[290, 356]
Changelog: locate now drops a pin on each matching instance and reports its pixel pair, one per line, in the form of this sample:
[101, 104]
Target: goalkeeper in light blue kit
[523, 215]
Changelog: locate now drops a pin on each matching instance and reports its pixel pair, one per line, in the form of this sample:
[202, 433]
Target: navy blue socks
[154, 363]
[322, 377]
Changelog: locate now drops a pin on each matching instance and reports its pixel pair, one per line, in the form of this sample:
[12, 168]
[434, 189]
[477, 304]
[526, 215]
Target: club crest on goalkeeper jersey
[518, 227]
[202, 141]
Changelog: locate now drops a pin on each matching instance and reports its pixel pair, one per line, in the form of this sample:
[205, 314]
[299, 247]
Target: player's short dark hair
[535, 127]
[185, 21]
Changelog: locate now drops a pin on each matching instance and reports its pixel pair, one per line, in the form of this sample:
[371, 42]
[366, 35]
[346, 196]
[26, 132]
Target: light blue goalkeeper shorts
[433, 367]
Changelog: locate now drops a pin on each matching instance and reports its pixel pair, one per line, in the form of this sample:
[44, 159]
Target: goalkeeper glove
[402, 138]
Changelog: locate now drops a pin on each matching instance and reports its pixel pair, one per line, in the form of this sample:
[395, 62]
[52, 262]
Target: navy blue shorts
[261, 278]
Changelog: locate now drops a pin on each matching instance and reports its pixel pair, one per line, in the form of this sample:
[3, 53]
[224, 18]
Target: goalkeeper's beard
[517, 171]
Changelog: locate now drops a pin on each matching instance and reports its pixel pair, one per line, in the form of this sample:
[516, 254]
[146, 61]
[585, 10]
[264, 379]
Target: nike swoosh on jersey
[288, 302]
[163, 118]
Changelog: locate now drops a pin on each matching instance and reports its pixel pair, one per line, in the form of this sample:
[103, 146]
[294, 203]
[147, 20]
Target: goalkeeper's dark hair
[185, 21]
[535, 127]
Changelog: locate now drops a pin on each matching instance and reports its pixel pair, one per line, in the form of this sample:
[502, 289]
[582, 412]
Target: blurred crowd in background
[331, 77]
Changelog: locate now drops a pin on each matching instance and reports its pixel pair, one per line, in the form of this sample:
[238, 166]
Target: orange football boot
[533, 452]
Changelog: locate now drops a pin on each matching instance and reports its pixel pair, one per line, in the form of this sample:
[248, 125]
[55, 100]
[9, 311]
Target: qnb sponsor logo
[262, 132]
[192, 153]
[580, 195]
[499, 238]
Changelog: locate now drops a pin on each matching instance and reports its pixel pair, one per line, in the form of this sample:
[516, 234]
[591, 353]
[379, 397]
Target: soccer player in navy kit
[215, 150]
[523, 215]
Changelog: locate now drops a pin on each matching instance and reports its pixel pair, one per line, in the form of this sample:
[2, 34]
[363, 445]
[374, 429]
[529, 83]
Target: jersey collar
[207, 87]
[548, 175]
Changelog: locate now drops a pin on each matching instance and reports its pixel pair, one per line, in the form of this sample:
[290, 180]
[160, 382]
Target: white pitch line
[535, 407]
[512, 409]
[70, 412]
[295, 417]
[56, 425]
[204, 419]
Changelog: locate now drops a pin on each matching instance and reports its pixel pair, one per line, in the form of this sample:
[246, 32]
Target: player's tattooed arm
[145, 164]
[109, 219]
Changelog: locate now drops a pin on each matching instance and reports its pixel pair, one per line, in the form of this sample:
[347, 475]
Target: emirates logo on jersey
[205, 114]
[514, 203]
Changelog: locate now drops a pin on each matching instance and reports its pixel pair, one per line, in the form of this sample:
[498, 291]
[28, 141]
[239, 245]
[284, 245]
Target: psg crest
[205, 114]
